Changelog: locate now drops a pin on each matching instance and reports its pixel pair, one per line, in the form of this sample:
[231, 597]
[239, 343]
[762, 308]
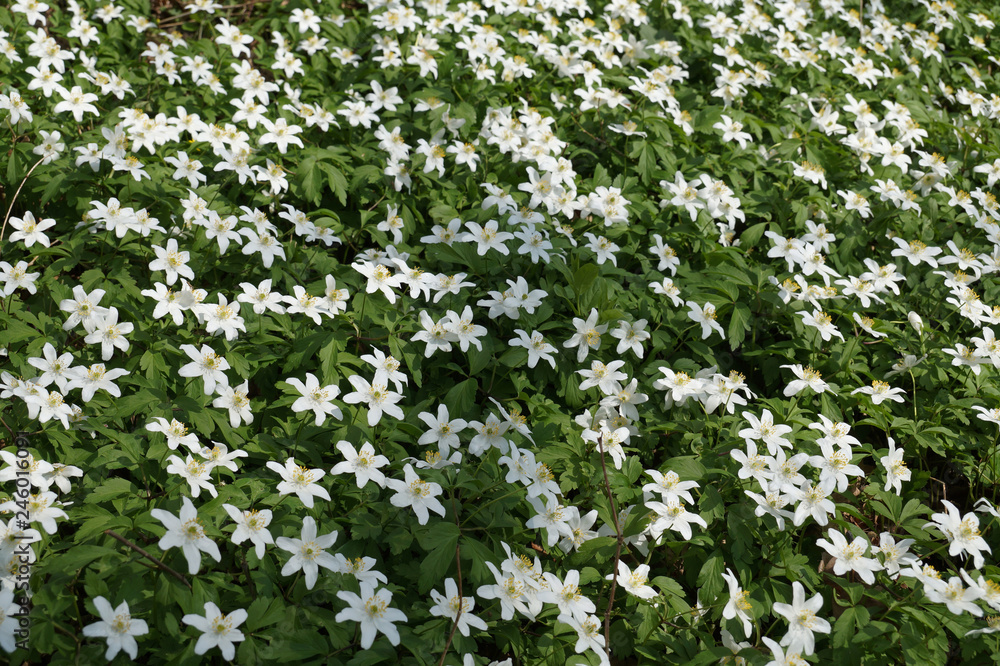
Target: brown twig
[3, 229]
[461, 601]
[618, 553]
[118, 537]
[66, 632]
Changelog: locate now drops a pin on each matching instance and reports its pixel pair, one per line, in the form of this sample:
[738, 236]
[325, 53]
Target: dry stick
[461, 605]
[461, 601]
[618, 554]
[6, 217]
[65, 632]
[176, 17]
[149, 557]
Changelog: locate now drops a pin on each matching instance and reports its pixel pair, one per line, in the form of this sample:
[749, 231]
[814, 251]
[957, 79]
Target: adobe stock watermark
[22, 553]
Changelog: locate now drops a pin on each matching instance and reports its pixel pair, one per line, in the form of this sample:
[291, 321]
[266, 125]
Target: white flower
[895, 469]
[281, 134]
[604, 377]
[300, 480]
[372, 610]
[205, 364]
[309, 552]
[187, 532]
[176, 433]
[822, 322]
[363, 464]
[962, 533]
[566, 595]
[116, 625]
[954, 594]
[29, 230]
[386, 369]
[781, 658]
[805, 377]
[379, 279]
[236, 401]
[550, 515]
[251, 525]
[764, 429]
[443, 430]
[316, 398]
[379, 398]
[437, 334]
[850, 557]
[894, 554]
[261, 297]
[198, 474]
[109, 332]
[463, 329]
[634, 582]
[673, 516]
[587, 336]
[737, 606]
[670, 486]
[801, 615]
[835, 466]
[732, 130]
[880, 391]
[705, 315]
[631, 336]
[456, 607]
[416, 493]
[812, 501]
[219, 630]
[538, 348]
[854, 201]
[172, 261]
[83, 307]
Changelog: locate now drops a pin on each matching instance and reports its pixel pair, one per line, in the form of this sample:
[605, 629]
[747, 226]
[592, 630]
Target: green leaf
[599, 549]
[264, 612]
[513, 357]
[110, 489]
[78, 557]
[647, 163]
[730, 274]
[478, 360]
[710, 576]
[301, 645]
[436, 564]
[637, 522]
[136, 403]
[584, 277]
[328, 357]
[751, 236]
[363, 175]
[739, 324]
[15, 331]
[461, 397]
[310, 179]
[335, 179]
[438, 534]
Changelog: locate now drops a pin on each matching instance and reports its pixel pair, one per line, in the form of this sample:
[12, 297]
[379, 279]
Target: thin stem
[6, 217]
[618, 554]
[118, 537]
[492, 501]
[65, 632]
[461, 601]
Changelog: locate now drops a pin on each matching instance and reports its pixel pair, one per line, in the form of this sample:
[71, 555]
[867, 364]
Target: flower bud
[915, 321]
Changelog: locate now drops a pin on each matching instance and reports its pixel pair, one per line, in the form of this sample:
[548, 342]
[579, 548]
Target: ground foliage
[651, 238]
